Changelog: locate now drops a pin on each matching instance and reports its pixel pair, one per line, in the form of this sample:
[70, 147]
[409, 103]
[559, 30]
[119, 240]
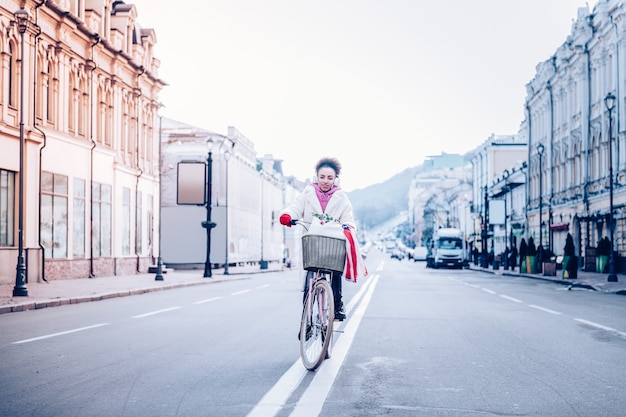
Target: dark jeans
[335, 284]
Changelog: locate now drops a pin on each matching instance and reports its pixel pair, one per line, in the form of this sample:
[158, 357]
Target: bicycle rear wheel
[316, 327]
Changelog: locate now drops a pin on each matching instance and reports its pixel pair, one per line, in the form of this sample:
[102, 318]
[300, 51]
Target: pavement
[588, 280]
[73, 291]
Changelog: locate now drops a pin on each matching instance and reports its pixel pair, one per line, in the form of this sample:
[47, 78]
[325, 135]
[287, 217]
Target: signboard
[191, 183]
[497, 212]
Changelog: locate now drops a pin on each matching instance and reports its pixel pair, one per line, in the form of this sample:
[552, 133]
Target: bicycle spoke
[316, 325]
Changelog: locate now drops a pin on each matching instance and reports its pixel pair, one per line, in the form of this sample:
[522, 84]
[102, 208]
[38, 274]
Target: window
[54, 217]
[139, 225]
[126, 221]
[450, 243]
[12, 60]
[7, 204]
[150, 218]
[101, 206]
[78, 247]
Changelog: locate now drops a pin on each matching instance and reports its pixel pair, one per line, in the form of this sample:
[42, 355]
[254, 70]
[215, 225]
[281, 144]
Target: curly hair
[332, 163]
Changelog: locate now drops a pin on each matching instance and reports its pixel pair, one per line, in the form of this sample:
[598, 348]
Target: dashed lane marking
[80, 329]
[152, 313]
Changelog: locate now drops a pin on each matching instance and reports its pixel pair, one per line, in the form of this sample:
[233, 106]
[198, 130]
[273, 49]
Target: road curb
[571, 283]
[45, 303]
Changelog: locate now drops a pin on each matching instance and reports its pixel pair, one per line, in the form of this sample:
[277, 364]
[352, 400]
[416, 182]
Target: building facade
[246, 193]
[79, 163]
[574, 140]
[489, 161]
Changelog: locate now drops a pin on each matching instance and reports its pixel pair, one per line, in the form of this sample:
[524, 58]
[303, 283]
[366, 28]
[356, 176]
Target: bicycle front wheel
[316, 328]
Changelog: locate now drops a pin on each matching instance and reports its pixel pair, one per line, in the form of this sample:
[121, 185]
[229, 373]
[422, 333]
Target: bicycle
[322, 255]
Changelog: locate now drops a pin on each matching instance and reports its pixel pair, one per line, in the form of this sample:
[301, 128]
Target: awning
[559, 226]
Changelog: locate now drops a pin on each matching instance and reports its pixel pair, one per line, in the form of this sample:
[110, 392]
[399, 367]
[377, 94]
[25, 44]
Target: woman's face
[326, 178]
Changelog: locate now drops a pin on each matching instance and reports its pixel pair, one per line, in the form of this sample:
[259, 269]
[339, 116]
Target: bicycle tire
[316, 326]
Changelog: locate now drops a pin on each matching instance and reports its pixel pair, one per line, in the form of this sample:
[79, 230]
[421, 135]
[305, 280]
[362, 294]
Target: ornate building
[79, 168]
[574, 139]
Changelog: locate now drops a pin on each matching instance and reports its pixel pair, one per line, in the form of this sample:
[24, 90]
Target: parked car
[397, 254]
[420, 253]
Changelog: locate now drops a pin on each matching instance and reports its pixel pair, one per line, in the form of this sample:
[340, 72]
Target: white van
[448, 248]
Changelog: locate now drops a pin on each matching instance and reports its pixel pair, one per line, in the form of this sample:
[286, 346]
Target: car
[397, 254]
[420, 253]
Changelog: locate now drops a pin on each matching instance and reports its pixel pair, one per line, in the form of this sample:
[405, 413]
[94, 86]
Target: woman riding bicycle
[324, 200]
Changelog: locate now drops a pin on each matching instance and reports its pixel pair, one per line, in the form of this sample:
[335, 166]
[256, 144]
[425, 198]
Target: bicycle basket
[323, 252]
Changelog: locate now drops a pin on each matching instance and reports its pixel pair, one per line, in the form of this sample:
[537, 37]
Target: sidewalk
[590, 280]
[73, 291]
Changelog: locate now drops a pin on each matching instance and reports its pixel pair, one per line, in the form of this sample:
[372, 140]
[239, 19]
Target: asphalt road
[418, 342]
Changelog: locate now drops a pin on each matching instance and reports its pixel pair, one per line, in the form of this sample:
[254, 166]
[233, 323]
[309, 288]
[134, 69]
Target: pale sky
[379, 84]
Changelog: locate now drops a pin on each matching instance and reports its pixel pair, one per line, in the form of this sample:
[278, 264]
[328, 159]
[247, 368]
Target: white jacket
[306, 207]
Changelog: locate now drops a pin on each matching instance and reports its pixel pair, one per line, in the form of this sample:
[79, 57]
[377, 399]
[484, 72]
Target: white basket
[323, 252]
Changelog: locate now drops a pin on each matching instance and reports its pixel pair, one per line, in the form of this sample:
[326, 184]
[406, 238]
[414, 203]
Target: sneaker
[340, 313]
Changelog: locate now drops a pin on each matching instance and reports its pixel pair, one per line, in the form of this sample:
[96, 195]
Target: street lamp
[262, 262]
[540, 149]
[507, 190]
[485, 234]
[208, 224]
[226, 158]
[609, 102]
[22, 17]
[159, 269]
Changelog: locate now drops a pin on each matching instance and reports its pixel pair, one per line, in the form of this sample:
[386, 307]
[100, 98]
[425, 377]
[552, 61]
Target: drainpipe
[45, 140]
[618, 102]
[139, 171]
[92, 67]
[550, 153]
[587, 140]
[527, 182]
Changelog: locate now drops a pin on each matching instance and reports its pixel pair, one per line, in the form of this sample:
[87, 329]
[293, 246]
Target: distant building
[434, 196]
[247, 193]
[496, 155]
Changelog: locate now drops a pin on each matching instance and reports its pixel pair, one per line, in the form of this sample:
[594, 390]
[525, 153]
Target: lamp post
[507, 190]
[159, 269]
[22, 17]
[262, 262]
[226, 158]
[208, 224]
[485, 233]
[609, 102]
[540, 149]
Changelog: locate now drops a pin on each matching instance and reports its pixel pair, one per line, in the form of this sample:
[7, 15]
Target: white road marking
[60, 333]
[547, 310]
[207, 300]
[275, 399]
[600, 326]
[506, 297]
[152, 313]
[260, 287]
[488, 291]
[241, 292]
[312, 401]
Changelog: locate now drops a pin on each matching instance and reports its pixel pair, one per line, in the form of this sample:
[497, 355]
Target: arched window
[11, 84]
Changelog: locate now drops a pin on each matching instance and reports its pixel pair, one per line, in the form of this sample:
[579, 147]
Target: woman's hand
[285, 220]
